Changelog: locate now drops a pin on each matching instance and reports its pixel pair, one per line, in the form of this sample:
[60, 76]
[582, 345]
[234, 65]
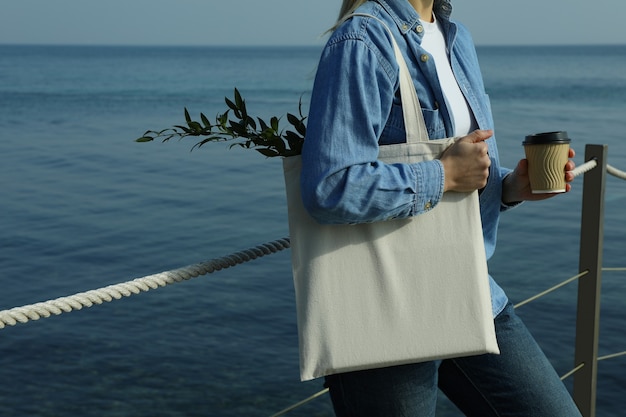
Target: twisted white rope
[591, 164]
[126, 289]
[586, 167]
[616, 172]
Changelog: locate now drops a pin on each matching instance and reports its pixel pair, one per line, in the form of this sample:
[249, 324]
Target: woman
[355, 108]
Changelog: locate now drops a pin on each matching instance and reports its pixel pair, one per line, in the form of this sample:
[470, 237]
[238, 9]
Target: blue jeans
[520, 382]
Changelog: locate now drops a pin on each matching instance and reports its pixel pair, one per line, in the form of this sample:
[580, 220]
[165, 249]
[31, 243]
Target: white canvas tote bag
[393, 292]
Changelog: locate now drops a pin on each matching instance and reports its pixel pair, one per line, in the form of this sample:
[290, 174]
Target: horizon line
[305, 45]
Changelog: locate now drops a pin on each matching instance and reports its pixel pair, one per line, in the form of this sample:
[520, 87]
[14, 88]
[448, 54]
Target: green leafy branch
[247, 132]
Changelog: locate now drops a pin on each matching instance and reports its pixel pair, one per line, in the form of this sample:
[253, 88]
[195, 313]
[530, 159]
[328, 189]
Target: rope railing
[301, 403]
[550, 290]
[586, 167]
[77, 301]
[558, 286]
[599, 359]
[126, 289]
[572, 372]
[589, 165]
[616, 172]
[612, 356]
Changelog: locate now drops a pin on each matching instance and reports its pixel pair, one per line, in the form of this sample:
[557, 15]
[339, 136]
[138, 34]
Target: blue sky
[289, 22]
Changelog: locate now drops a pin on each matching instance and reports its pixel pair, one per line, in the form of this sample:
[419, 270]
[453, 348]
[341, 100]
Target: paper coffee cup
[547, 155]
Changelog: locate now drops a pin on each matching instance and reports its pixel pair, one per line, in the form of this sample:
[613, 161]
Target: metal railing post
[589, 286]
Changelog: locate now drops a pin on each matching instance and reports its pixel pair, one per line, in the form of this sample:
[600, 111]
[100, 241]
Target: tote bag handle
[413, 119]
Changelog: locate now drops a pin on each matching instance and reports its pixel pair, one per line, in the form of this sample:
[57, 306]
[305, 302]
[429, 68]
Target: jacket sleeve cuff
[507, 206]
[430, 179]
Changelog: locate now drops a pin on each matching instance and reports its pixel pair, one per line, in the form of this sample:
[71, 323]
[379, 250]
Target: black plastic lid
[547, 138]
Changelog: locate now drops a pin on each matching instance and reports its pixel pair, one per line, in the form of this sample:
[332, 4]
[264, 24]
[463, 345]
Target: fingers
[477, 136]
[569, 177]
[467, 162]
[475, 141]
[522, 167]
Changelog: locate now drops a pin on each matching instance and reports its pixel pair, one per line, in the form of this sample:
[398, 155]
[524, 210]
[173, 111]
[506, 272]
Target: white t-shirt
[434, 43]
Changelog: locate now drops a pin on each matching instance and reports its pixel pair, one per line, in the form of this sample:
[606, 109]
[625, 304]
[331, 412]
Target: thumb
[477, 136]
[522, 167]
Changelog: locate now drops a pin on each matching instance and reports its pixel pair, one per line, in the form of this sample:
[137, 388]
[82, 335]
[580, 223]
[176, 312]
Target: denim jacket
[356, 107]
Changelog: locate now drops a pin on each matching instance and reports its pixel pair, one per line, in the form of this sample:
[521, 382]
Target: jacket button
[419, 29]
[428, 205]
[405, 27]
[424, 58]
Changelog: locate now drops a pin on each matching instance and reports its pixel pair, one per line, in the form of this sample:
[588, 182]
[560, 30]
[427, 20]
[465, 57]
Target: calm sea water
[83, 206]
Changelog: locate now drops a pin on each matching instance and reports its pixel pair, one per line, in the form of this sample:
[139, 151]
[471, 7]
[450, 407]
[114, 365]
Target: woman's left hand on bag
[466, 163]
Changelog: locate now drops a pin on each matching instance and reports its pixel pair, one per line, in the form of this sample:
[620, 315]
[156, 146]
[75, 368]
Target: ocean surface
[83, 206]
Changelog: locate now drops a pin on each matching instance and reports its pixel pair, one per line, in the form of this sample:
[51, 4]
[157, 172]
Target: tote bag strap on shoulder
[413, 118]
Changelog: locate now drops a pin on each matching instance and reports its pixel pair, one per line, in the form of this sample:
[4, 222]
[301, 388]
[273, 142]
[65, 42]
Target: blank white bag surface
[389, 293]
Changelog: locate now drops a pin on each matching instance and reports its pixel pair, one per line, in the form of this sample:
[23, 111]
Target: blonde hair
[349, 6]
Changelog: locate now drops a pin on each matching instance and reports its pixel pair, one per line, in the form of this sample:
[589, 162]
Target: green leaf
[223, 118]
[244, 110]
[245, 131]
[230, 104]
[205, 121]
[264, 125]
[300, 108]
[250, 122]
[268, 152]
[238, 128]
[276, 143]
[184, 129]
[292, 119]
[196, 127]
[238, 99]
[274, 123]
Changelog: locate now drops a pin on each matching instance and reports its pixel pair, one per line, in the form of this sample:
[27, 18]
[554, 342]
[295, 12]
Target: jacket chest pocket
[394, 131]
